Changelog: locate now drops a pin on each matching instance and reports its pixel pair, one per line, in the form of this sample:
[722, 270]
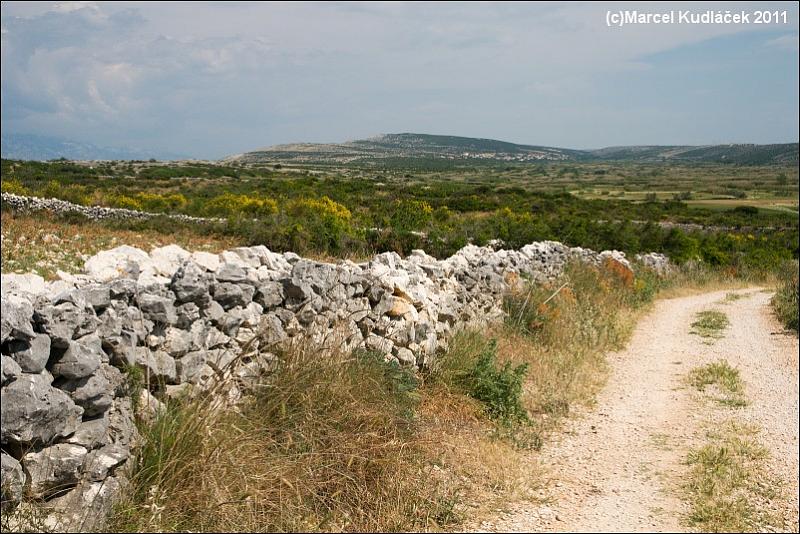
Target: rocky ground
[620, 467]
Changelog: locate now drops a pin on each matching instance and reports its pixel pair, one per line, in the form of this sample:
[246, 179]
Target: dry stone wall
[183, 318]
[95, 213]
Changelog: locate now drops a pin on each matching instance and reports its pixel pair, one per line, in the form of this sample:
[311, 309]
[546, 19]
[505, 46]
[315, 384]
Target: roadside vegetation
[785, 300]
[728, 488]
[347, 442]
[319, 444]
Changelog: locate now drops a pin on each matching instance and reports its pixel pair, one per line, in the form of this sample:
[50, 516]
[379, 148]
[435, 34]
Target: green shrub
[410, 215]
[321, 221]
[77, 194]
[125, 202]
[158, 203]
[499, 388]
[745, 210]
[681, 247]
[646, 286]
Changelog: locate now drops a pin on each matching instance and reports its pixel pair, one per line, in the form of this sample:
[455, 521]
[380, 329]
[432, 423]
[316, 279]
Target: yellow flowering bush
[321, 219]
[14, 187]
[229, 204]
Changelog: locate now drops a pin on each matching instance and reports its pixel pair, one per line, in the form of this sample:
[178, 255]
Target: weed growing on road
[728, 485]
[661, 441]
[732, 297]
[726, 379]
[710, 324]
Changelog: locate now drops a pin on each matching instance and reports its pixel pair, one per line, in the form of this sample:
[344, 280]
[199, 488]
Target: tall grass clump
[785, 300]
[583, 308]
[501, 389]
[325, 442]
[340, 441]
[563, 329]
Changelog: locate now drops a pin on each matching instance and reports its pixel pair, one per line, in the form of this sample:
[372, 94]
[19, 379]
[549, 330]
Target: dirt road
[619, 466]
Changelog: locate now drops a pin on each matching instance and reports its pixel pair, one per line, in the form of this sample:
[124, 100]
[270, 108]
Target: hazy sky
[212, 79]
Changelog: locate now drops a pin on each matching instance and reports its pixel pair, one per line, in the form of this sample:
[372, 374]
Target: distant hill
[744, 154]
[410, 146]
[42, 148]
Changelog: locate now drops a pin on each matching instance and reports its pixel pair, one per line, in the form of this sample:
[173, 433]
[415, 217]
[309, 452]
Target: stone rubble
[187, 320]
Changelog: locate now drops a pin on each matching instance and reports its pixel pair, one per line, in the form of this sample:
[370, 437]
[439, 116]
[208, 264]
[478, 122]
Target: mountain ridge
[456, 148]
[413, 147]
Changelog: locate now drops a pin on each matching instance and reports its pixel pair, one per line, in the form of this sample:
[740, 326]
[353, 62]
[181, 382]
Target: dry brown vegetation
[323, 443]
[44, 244]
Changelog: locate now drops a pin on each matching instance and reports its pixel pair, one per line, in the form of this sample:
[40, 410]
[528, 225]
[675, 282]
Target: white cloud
[97, 98]
[66, 7]
[785, 42]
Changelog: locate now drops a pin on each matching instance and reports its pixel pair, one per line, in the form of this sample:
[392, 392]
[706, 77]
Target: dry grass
[44, 244]
[785, 300]
[324, 443]
[563, 340]
[470, 456]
